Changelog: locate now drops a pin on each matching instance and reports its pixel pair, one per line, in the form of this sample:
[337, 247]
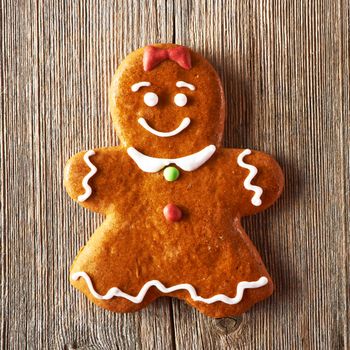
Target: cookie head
[167, 101]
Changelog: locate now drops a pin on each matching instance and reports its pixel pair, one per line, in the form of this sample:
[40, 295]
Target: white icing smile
[184, 124]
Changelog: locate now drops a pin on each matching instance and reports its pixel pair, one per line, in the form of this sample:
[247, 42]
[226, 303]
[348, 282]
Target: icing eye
[180, 100]
[150, 99]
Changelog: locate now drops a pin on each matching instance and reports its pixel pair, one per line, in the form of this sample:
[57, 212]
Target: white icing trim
[181, 83]
[116, 292]
[247, 182]
[184, 124]
[188, 163]
[86, 179]
[136, 87]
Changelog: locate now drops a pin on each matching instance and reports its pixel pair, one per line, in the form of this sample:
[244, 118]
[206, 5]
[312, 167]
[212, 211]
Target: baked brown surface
[208, 247]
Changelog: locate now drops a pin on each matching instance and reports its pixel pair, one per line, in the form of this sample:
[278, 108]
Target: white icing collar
[188, 163]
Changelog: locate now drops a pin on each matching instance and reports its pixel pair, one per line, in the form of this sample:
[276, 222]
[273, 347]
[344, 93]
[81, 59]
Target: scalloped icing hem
[116, 292]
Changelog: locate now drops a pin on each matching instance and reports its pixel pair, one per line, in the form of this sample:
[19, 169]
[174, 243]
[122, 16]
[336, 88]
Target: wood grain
[285, 68]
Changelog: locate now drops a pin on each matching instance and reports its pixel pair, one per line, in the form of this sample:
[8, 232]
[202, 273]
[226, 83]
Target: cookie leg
[220, 309]
[113, 299]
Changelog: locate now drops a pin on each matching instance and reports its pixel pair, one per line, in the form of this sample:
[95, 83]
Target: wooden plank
[285, 70]
[57, 61]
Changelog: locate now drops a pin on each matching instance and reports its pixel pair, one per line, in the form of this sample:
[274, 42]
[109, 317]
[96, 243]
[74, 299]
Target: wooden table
[285, 68]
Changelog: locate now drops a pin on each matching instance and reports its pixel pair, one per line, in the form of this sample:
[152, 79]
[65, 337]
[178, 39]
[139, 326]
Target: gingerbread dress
[172, 196]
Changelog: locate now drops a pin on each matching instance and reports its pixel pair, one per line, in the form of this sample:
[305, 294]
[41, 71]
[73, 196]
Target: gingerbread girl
[173, 198]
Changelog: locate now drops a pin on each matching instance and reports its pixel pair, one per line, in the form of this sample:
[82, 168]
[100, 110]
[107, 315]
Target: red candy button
[172, 212]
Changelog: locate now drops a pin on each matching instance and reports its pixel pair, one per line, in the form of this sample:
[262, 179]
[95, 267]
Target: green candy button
[171, 173]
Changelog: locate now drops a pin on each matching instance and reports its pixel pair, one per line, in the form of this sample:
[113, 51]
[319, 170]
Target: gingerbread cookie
[172, 196]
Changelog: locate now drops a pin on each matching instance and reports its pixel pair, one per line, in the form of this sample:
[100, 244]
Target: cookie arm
[88, 178]
[262, 181]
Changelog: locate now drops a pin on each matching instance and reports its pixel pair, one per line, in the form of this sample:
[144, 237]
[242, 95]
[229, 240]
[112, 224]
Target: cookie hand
[84, 180]
[263, 180]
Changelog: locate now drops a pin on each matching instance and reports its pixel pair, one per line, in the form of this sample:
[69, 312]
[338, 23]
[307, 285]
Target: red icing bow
[153, 56]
